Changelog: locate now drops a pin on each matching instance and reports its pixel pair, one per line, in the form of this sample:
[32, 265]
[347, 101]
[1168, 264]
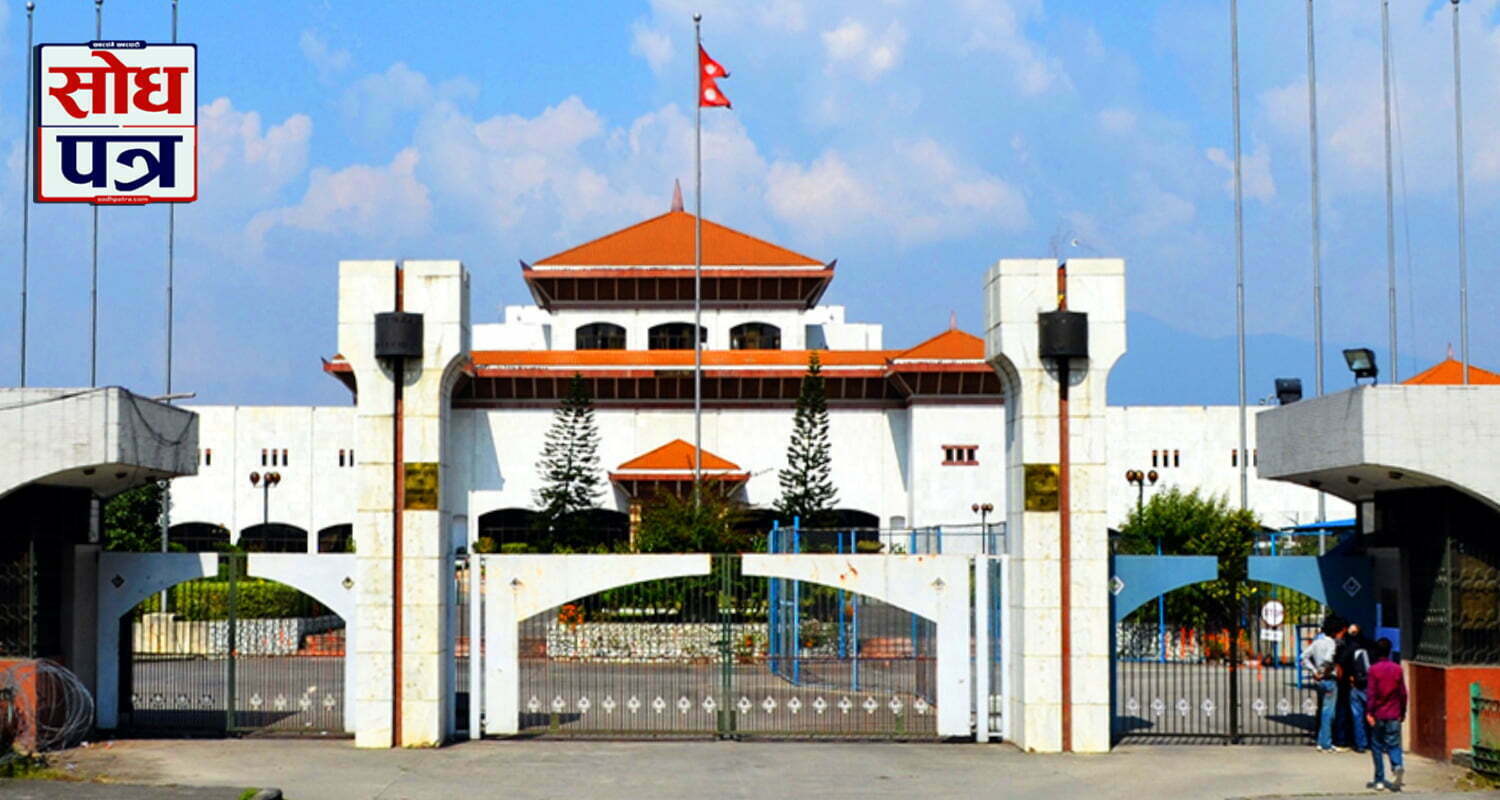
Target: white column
[1016, 291]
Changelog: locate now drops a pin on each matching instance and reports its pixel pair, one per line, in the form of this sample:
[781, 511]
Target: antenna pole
[1317, 226]
[1239, 246]
[1390, 188]
[26, 186]
[1463, 244]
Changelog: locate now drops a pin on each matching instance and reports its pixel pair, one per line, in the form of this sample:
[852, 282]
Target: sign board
[1273, 613]
[1041, 487]
[1270, 634]
[421, 486]
[116, 122]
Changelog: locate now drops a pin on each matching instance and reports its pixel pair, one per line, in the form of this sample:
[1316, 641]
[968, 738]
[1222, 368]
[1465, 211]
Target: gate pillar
[1016, 292]
[438, 290]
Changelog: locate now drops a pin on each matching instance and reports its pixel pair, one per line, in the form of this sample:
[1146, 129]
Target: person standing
[1354, 670]
[1318, 661]
[1385, 713]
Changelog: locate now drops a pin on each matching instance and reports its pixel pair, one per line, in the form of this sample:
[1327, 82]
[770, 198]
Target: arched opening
[755, 336]
[336, 539]
[275, 537]
[229, 653]
[599, 336]
[674, 336]
[513, 526]
[198, 537]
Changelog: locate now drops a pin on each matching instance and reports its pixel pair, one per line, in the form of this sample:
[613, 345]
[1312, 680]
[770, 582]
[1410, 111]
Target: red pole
[1065, 520]
[398, 489]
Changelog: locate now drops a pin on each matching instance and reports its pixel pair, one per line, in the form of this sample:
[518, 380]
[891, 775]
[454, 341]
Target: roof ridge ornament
[676, 195]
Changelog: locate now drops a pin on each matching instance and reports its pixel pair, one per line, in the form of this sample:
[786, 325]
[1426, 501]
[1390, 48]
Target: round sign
[1273, 613]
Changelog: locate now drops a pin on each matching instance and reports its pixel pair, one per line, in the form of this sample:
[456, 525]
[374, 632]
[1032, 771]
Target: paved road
[321, 769]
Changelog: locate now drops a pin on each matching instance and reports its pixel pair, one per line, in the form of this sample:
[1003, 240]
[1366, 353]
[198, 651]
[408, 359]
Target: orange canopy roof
[950, 345]
[676, 456]
[1450, 372]
[667, 240]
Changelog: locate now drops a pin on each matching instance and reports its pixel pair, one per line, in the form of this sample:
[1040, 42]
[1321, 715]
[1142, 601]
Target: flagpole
[26, 189]
[1239, 249]
[94, 283]
[697, 258]
[1390, 189]
[1463, 244]
[171, 247]
[1317, 225]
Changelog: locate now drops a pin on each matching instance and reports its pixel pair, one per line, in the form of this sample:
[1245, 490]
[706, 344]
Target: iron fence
[232, 654]
[694, 657]
[1484, 731]
[18, 608]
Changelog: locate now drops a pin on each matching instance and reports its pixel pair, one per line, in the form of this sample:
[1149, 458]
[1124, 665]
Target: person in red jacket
[1385, 710]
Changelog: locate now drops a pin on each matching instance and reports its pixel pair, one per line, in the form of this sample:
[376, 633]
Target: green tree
[674, 523]
[1189, 523]
[569, 463]
[806, 484]
[131, 520]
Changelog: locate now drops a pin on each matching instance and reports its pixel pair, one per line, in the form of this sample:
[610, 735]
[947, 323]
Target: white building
[918, 433]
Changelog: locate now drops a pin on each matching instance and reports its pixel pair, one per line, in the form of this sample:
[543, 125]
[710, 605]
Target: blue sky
[915, 142]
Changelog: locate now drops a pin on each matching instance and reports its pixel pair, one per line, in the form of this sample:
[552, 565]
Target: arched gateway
[611, 622]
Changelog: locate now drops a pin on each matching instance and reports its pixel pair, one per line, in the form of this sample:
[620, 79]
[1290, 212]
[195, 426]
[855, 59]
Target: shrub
[208, 599]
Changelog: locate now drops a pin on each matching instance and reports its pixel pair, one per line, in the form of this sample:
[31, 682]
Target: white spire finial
[676, 195]
[952, 320]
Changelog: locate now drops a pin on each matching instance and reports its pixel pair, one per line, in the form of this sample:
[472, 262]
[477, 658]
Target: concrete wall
[1194, 448]
[532, 328]
[316, 491]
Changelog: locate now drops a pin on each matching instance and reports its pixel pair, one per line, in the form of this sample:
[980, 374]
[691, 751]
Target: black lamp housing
[1064, 334]
[398, 334]
[1361, 361]
[1288, 390]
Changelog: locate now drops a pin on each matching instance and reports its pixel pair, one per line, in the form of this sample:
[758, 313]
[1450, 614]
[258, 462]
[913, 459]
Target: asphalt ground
[319, 768]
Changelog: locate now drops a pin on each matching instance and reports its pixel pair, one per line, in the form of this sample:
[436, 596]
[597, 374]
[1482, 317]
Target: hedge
[256, 599]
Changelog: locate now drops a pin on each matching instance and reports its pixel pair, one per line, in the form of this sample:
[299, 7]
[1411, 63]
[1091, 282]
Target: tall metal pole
[1463, 245]
[697, 259]
[1317, 225]
[1390, 190]
[94, 283]
[26, 188]
[1239, 246]
[166, 493]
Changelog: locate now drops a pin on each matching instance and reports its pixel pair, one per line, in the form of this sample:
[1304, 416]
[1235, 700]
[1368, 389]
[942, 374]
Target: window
[1153, 459]
[341, 457]
[755, 336]
[1176, 457]
[599, 336]
[1234, 458]
[284, 461]
[674, 336]
[960, 455]
[263, 457]
[208, 457]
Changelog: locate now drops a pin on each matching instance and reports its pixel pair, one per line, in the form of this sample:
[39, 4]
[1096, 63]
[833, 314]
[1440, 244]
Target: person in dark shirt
[1353, 658]
[1384, 714]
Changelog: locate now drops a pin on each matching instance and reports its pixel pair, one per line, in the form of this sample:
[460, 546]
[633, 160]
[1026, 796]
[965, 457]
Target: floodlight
[1288, 390]
[1361, 361]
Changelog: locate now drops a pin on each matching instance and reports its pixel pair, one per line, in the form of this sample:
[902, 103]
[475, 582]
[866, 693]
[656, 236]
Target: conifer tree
[806, 484]
[570, 458]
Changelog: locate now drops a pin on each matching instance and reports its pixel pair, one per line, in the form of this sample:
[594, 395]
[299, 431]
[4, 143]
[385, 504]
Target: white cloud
[242, 167]
[382, 203]
[868, 54]
[915, 189]
[328, 61]
[652, 44]
[999, 27]
[1255, 172]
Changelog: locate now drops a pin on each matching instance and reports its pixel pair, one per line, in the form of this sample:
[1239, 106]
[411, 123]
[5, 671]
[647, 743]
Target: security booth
[1415, 459]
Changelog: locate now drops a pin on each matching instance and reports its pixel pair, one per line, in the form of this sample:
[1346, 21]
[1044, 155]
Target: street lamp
[265, 483]
[1139, 480]
[1288, 390]
[984, 510]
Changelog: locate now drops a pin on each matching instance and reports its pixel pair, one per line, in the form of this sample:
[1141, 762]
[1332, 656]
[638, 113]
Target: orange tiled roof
[1451, 372]
[676, 455]
[950, 345]
[667, 240]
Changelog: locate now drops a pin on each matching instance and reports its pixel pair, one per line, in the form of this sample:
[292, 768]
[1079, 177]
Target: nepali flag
[709, 71]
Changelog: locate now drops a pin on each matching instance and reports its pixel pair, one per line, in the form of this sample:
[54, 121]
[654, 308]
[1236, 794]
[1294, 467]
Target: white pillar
[1016, 291]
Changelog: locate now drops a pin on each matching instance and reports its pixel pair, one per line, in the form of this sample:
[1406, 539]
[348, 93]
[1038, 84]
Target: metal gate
[232, 654]
[1208, 662]
[727, 655]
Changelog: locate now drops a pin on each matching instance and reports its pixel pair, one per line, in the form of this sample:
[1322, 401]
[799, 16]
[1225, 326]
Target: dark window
[263, 456]
[755, 336]
[1153, 459]
[674, 336]
[1176, 458]
[341, 457]
[1234, 457]
[960, 454]
[273, 538]
[199, 537]
[600, 336]
[284, 461]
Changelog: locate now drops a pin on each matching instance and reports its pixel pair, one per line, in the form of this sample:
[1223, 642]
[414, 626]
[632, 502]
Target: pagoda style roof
[650, 264]
[672, 463]
[1451, 372]
[949, 346]
[667, 240]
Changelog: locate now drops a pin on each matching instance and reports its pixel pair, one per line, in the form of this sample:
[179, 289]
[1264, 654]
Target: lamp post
[265, 482]
[1139, 479]
[983, 510]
